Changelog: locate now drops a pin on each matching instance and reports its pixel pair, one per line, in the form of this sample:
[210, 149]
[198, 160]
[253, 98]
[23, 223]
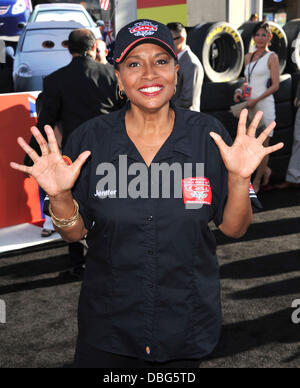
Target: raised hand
[50, 170]
[247, 151]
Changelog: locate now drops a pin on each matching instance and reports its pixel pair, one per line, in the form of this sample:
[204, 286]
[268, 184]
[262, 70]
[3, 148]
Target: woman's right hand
[50, 170]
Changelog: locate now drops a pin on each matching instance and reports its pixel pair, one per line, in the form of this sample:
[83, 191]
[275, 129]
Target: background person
[101, 57]
[151, 294]
[101, 51]
[262, 80]
[292, 178]
[72, 95]
[254, 18]
[190, 73]
[79, 91]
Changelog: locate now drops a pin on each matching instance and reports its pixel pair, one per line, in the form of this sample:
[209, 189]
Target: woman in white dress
[262, 80]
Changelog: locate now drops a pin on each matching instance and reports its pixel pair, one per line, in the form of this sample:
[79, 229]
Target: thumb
[219, 142]
[79, 162]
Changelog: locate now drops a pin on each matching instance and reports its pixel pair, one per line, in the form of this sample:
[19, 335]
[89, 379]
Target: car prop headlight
[24, 71]
[19, 7]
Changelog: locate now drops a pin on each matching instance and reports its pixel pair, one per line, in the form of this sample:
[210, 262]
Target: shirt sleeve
[221, 190]
[73, 148]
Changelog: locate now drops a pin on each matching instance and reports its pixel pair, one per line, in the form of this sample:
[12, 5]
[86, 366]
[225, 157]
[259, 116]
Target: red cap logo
[143, 29]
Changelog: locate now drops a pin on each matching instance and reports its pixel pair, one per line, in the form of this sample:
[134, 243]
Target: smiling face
[262, 38]
[148, 76]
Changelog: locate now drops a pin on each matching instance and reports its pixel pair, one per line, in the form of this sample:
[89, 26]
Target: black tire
[292, 31]
[285, 114]
[285, 91]
[279, 43]
[220, 49]
[286, 135]
[228, 120]
[219, 95]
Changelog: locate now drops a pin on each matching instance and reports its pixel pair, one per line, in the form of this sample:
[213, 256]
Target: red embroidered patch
[196, 190]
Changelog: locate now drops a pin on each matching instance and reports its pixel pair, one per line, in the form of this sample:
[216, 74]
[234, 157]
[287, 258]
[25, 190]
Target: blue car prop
[13, 12]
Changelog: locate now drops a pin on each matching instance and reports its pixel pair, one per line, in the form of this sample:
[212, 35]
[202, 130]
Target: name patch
[196, 191]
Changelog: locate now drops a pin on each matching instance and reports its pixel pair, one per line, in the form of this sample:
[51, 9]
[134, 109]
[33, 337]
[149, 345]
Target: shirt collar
[178, 141]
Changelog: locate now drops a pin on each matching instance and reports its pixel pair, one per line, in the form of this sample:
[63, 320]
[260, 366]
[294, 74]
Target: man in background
[101, 51]
[254, 17]
[72, 95]
[190, 74]
[79, 91]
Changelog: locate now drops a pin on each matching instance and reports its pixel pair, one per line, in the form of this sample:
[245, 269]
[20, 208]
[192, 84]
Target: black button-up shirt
[151, 285]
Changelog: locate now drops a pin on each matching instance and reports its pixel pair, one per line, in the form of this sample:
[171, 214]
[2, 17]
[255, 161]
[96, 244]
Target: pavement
[19, 237]
[260, 279]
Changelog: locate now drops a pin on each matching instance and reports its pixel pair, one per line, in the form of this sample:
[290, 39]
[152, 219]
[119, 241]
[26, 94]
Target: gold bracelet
[65, 222]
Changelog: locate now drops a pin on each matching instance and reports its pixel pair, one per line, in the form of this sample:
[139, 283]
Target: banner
[19, 195]
[164, 11]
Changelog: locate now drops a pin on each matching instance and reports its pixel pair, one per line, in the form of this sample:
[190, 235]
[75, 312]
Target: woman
[262, 80]
[150, 295]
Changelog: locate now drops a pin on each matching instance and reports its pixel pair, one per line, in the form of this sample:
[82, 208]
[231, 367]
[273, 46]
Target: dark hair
[81, 41]
[254, 16]
[176, 27]
[264, 25]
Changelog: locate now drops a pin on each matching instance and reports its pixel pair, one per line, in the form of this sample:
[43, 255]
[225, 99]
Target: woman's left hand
[247, 151]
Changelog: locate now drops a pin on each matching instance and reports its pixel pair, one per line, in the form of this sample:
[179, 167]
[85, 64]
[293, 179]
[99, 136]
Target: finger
[29, 151]
[266, 133]
[20, 167]
[41, 140]
[79, 162]
[276, 147]
[241, 129]
[223, 147]
[254, 124]
[52, 140]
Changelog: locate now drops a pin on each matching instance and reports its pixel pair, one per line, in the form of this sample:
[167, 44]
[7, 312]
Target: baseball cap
[143, 31]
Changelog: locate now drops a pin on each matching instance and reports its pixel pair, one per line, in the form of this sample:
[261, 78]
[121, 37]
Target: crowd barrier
[19, 195]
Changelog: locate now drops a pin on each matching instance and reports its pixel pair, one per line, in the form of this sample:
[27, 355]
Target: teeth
[152, 89]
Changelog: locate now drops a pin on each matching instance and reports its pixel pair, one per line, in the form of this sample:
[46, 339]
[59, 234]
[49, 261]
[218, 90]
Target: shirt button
[150, 218]
[150, 252]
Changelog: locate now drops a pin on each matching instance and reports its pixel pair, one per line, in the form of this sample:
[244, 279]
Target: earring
[121, 94]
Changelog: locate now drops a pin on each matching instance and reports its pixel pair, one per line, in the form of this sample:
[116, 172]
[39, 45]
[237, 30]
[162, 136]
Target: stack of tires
[221, 49]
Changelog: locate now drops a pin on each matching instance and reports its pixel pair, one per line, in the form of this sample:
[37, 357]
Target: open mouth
[151, 90]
